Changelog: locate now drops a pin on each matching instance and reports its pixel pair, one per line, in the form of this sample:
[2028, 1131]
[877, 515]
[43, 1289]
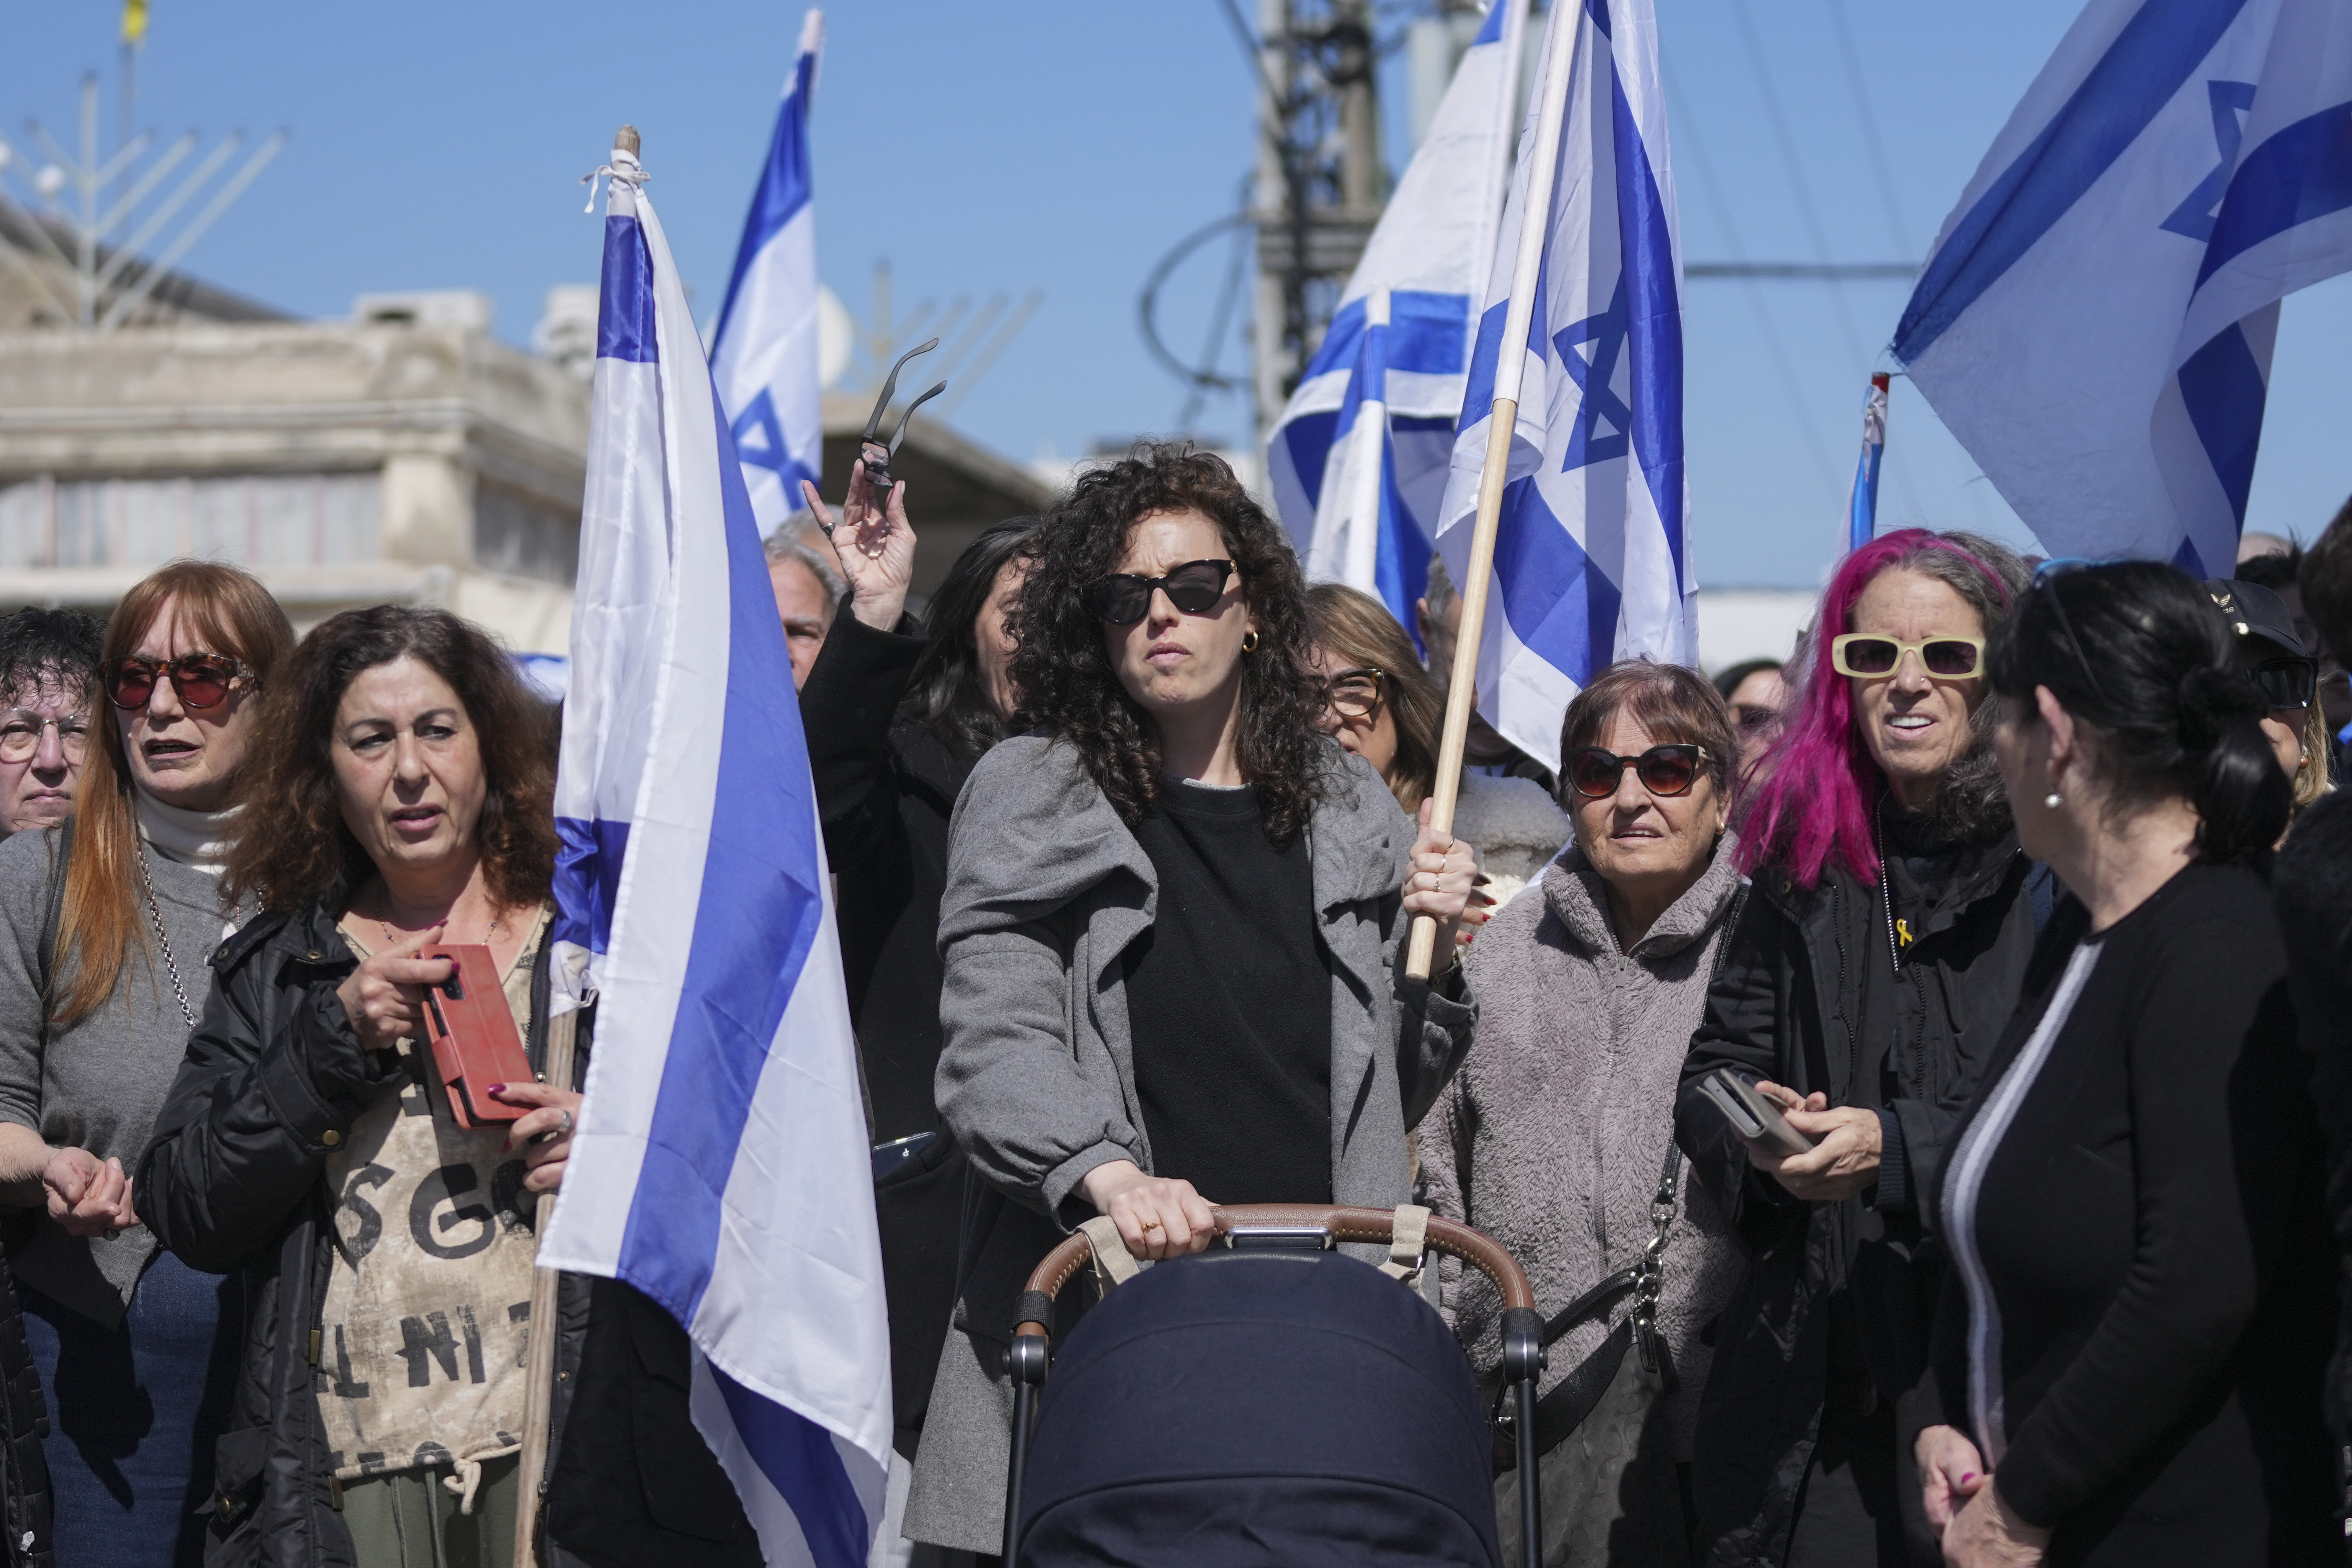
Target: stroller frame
[1313, 1226]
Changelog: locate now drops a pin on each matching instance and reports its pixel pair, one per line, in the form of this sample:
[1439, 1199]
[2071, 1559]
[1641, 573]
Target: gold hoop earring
[1249, 640]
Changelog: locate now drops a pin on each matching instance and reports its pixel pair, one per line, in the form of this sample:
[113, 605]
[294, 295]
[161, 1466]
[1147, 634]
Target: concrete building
[406, 455]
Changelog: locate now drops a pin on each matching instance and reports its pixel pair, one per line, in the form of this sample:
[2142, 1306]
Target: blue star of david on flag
[2193, 218]
[1587, 442]
[759, 438]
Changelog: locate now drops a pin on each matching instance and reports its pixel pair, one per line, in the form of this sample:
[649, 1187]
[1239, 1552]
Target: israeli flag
[765, 351]
[721, 1164]
[2096, 321]
[1862, 503]
[1591, 563]
[1358, 461]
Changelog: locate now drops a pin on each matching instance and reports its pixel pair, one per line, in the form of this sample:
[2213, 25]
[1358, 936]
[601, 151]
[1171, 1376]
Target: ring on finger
[564, 1128]
[1151, 1225]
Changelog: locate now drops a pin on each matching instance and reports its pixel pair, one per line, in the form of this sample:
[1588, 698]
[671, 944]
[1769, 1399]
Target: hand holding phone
[1752, 1116]
[475, 1043]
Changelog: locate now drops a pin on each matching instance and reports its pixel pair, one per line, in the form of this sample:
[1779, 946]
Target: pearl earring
[2052, 800]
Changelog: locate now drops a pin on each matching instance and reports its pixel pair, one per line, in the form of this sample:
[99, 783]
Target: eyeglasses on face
[1869, 656]
[200, 680]
[1122, 598]
[1595, 771]
[1355, 693]
[20, 734]
[2289, 683]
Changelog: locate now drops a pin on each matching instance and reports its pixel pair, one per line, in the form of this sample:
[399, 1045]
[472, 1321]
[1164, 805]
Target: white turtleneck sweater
[196, 839]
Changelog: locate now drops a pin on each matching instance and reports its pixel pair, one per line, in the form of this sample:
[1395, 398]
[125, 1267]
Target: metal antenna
[111, 279]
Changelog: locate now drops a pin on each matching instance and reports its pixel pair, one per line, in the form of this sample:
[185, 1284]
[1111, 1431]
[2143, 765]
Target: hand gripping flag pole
[1461, 692]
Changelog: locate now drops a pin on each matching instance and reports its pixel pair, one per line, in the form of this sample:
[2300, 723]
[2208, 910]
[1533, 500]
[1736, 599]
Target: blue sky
[1065, 145]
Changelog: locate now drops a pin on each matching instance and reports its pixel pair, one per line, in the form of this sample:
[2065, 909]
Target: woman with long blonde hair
[109, 921]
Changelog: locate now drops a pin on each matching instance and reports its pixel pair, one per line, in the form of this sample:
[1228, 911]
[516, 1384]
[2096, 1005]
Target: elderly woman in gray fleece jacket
[1553, 1137]
[1170, 932]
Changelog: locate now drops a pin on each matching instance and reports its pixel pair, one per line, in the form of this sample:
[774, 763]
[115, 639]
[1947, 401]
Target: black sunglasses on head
[1122, 598]
[1595, 771]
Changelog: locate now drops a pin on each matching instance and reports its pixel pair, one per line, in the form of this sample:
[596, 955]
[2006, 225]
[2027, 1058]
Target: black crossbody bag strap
[1563, 1410]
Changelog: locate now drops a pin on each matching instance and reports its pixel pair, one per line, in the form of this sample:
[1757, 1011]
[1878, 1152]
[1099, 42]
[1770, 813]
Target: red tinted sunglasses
[200, 680]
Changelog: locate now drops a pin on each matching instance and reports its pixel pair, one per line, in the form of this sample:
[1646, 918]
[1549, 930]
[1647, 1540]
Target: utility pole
[1321, 178]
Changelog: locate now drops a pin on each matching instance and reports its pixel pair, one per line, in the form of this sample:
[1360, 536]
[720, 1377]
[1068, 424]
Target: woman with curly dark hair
[402, 799]
[1229, 890]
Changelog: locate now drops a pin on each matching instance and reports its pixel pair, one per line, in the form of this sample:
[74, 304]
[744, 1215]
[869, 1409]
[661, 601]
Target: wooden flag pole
[539, 1407]
[1510, 366]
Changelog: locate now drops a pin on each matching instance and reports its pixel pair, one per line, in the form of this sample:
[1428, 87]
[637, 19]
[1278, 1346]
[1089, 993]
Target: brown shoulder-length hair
[100, 919]
[1358, 630]
[308, 853]
[1065, 675]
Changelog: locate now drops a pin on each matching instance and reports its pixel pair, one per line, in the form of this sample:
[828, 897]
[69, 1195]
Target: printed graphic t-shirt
[427, 1323]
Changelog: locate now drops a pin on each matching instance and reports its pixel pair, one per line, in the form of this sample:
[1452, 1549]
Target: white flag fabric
[1592, 562]
[721, 1164]
[1357, 461]
[2096, 321]
[764, 352]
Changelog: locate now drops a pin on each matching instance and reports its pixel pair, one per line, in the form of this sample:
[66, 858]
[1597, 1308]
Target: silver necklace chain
[163, 940]
[1887, 891]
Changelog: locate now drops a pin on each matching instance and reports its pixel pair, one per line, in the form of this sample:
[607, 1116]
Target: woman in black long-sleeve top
[895, 723]
[2132, 1336]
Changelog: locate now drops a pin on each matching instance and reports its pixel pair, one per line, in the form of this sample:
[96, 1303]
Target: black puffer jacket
[24, 1421]
[1791, 1005]
[884, 790]
[232, 1180]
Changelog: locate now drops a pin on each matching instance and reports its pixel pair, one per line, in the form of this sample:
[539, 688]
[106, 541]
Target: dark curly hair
[1065, 674]
[306, 853]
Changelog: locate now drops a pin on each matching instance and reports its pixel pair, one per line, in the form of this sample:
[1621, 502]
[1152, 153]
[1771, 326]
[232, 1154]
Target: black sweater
[2147, 1219]
[1229, 1005]
[2313, 884]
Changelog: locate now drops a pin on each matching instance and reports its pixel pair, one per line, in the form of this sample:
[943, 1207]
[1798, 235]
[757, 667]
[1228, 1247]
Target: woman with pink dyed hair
[1884, 947]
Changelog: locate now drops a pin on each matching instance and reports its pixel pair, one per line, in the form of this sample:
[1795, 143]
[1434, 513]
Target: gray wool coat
[1046, 887]
[1552, 1136]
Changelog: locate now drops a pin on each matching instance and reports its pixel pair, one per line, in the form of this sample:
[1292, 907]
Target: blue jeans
[134, 1412]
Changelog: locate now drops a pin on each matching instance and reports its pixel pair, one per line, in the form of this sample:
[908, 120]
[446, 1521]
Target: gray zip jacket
[1552, 1138]
[1046, 887]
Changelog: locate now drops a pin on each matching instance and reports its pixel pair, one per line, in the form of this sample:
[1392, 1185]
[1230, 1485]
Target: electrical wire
[1774, 111]
[1858, 83]
[1687, 140]
[1797, 182]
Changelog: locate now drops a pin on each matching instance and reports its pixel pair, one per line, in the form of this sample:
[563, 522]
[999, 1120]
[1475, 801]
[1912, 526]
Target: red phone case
[473, 1037]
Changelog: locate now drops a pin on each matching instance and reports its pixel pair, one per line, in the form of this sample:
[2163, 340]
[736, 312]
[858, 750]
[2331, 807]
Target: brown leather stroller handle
[1336, 1223]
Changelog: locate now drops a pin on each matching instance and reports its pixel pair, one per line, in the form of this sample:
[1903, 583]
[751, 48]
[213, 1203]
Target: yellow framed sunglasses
[1870, 655]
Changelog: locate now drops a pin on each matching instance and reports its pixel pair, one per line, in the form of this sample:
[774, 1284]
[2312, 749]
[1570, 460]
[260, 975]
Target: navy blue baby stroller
[1268, 1401]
